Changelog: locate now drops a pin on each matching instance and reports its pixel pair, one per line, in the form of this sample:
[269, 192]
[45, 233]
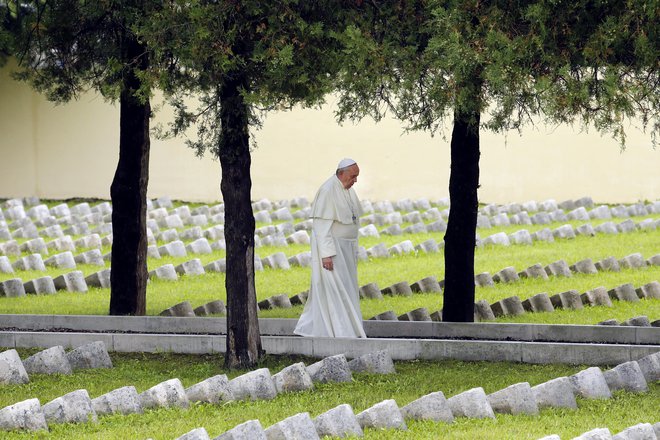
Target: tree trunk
[128, 277]
[460, 238]
[243, 339]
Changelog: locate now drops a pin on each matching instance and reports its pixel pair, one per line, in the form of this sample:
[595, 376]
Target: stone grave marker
[301, 298]
[199, 246]
[71, 282]
[431, 406]
[181, 309]
[124, 400]
[99, 279]
[168, 235]
[586, 230]
[165, 272]
[30, 262]
[331, 369]
[606, 228]
[35, 246]
[650, 290]
[426, 285]
[191, 233]
[626, 376]
[5, 265]
[378, 251]
[12, 288]
[385, 316]
[596, 297]
[338, 422]
[26, 415]
[419, 314]
[212, 390]
[569, 300]
[544, 235]
[483, 280]
[12, 371]
[506, 275]
[609, 263]
[216, 307]
[633, 261]
[299, 426]
[174, 249]
[195, 434]
[564, 232]
[190, 268]
[429, 246]
[92, 257]
[538, 303]
[626, 226]
[41, 285]
[167, 394]
[624, 292]
[497, 239]
[511, 306]
[578, 214]
[515, 399]
[472, 403]
[640, 431]
[91, 355]
[62, 244]
[601, 212]
[650, 366]
[377, 362]
[370, 290]
[558, 268]
[49, 361]
[585, 266]
[293, 378]
[74, 407]
[590, 384]
[521, 237]
[394, 229]
[483, 311]
[401, 288]
[383, 415]
[637, 321]
[534, 271]
[557, 393]
[62, 260]
[254, 385]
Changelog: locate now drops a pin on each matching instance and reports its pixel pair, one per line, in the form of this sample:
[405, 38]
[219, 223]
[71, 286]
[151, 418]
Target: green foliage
[284, 49]
[567, 62]
[66, 47]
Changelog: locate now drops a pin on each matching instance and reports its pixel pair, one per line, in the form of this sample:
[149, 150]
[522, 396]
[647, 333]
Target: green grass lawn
[386, 271]
[412, 380]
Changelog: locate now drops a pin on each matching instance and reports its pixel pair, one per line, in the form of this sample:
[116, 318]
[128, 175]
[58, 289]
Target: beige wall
[72, 150]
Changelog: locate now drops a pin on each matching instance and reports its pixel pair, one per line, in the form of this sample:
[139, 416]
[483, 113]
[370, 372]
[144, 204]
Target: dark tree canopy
[238, 58]
[498, 65]
[66, 47]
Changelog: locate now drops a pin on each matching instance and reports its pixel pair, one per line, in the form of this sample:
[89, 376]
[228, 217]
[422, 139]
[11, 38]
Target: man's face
[349, 176]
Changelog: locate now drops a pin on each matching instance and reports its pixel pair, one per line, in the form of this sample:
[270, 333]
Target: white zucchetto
[345, 163]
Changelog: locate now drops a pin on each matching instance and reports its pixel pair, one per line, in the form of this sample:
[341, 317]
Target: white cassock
[333, 304]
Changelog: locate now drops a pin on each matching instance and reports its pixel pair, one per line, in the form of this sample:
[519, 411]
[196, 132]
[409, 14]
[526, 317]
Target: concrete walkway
[529, 343]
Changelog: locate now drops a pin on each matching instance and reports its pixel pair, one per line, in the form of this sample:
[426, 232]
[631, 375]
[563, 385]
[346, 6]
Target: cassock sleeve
[326, 244]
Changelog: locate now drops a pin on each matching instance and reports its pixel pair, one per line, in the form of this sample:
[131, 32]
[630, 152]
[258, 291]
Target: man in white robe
[333, 304]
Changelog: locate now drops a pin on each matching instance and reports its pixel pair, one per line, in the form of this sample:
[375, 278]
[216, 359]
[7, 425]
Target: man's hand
[327, 263]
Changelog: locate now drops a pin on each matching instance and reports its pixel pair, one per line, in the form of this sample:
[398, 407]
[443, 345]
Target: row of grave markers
[160, 217]
[520, 398]
[78, 407]
[537, 303]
